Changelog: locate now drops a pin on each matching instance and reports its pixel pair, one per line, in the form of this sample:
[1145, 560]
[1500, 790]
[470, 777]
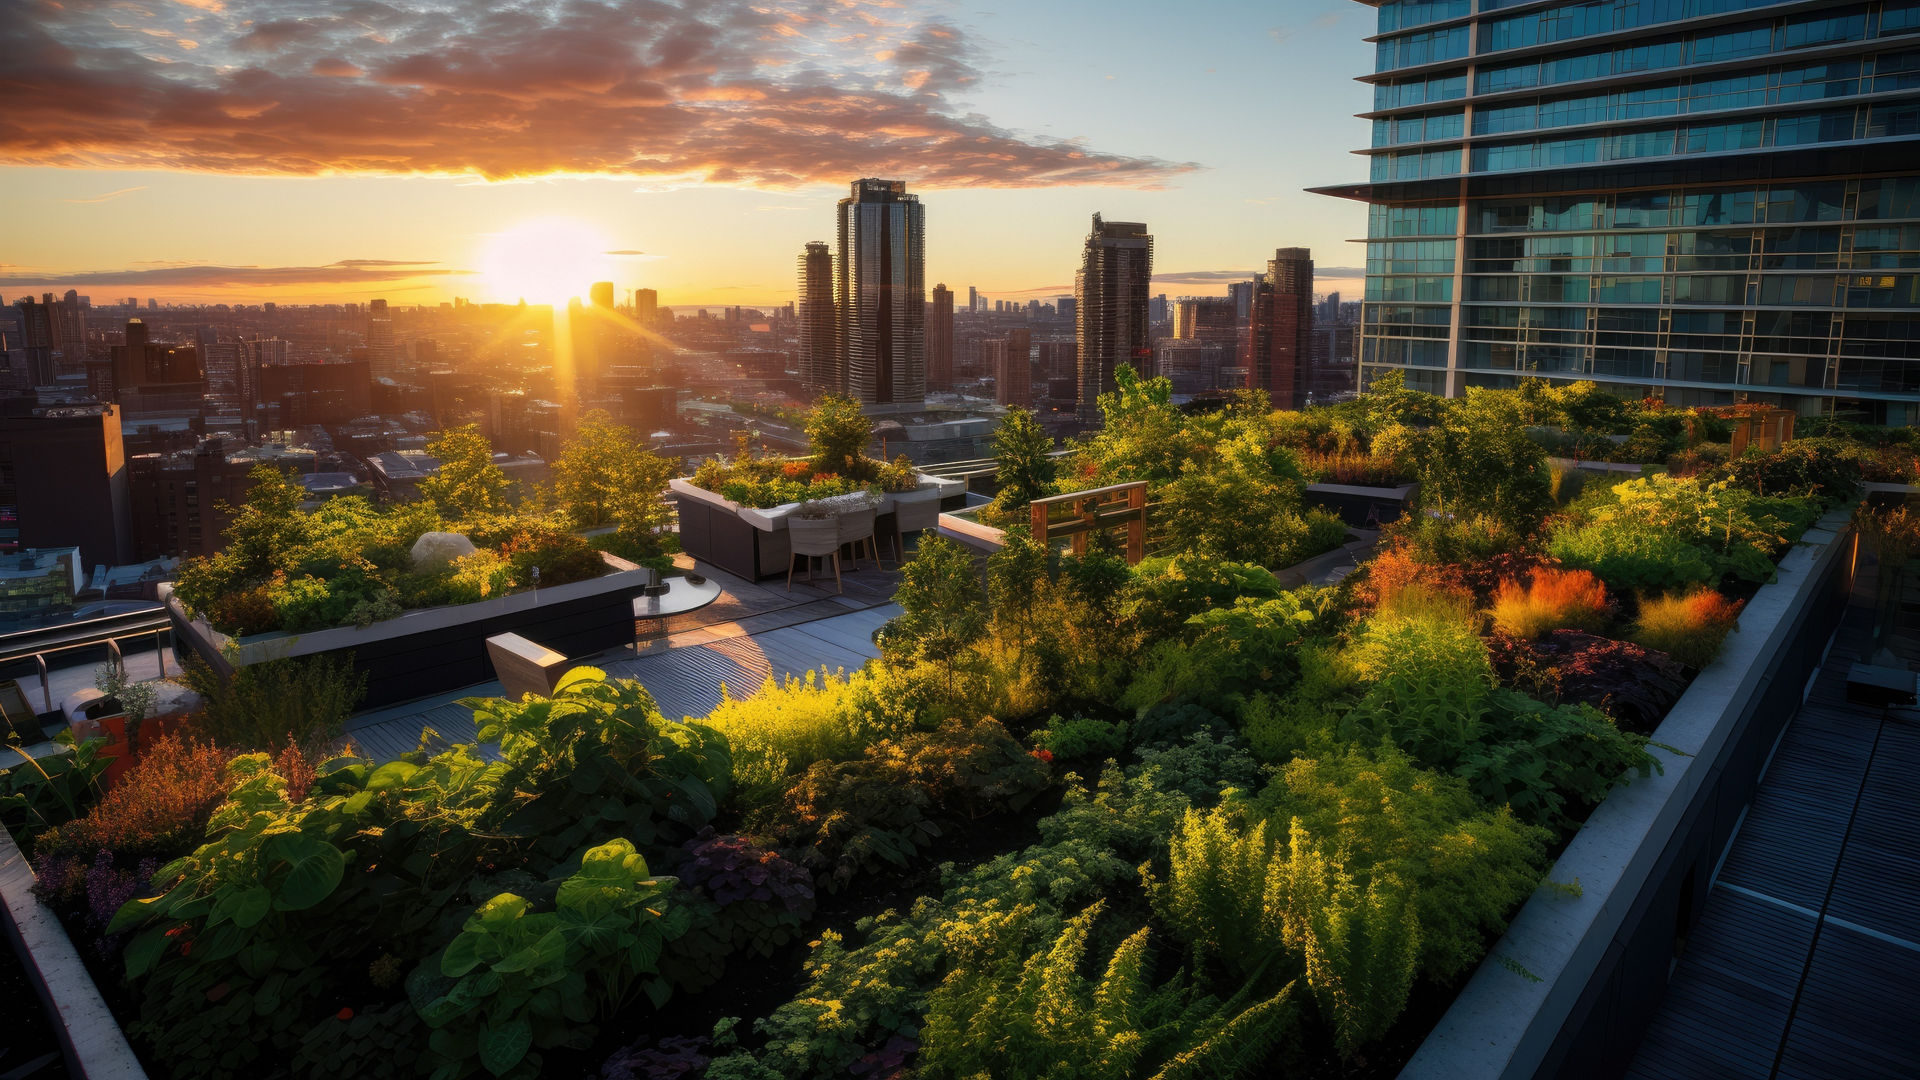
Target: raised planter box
[90, 1038]
[434, 650]
[1569, 989]
[1361, 506]
[752, 543]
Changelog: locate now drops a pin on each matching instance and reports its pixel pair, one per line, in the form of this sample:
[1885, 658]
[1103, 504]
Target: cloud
[345, 272]
[623, 252]
[766, 93]
[109, 195]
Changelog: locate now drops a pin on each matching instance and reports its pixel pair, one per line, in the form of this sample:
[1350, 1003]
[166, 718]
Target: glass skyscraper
[1705, 200]
[880, 295]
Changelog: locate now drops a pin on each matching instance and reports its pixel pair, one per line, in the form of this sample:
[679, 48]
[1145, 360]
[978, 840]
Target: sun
[546, 261]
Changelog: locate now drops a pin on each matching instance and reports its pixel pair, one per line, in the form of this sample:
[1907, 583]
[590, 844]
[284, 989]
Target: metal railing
[31, 653]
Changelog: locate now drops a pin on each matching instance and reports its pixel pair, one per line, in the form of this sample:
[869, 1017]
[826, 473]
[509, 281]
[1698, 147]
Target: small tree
[1025, 471]
[469, 484]
[839, 433]
[605, 477]
[944, 606]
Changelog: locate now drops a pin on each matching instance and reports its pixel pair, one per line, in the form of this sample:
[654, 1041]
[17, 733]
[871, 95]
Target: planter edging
[1507, 1024]
[90, 1038]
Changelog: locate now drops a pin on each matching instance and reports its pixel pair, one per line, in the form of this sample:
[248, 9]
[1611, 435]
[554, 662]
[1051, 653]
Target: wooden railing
[1104, 509]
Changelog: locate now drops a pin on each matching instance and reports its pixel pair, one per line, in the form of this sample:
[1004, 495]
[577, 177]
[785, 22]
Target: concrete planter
[433, 650]
[90, 1038]
[753, 542]
[980, 534]
[1570, 987]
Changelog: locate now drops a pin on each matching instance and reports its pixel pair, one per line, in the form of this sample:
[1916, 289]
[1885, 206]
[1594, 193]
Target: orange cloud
[745, 92]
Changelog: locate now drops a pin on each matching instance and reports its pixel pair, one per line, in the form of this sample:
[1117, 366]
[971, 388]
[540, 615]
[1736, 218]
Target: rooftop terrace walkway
[753, 632]
[1805, 962]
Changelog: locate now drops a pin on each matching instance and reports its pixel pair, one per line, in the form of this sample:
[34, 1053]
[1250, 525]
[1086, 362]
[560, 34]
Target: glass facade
[1708, 200]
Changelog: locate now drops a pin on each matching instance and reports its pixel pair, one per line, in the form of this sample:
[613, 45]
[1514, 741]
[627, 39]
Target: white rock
[437, 550]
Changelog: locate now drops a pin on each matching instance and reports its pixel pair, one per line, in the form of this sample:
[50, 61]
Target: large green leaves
[312, 869]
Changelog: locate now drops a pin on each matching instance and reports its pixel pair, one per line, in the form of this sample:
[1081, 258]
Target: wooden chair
[810, 538]
[856, 527]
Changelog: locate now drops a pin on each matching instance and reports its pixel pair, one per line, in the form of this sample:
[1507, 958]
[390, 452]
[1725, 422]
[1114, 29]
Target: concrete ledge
[1508, 1024]
[90, 1038]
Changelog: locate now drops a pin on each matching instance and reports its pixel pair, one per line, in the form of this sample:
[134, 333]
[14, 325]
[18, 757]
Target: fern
[1360, 946]
[1223, 894]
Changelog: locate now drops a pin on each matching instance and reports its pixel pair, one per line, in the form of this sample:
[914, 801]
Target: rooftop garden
[838, 434]
[1080, 818]
[351, 562]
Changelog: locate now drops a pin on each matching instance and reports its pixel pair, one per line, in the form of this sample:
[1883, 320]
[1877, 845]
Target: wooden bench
[525, 667]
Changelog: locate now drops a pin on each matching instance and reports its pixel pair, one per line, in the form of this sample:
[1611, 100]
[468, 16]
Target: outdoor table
[650, 613]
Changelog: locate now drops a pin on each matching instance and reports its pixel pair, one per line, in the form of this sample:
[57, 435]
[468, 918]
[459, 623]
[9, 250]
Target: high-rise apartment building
[58, 326]
[382, 357]
[1203, 318]
[819, 359]
[646, 307]
[1063, 307]
[1707, 200]
[1012, 360]
[940, 339]
[1279, 330]
[880, 294]
[1110, 304]
[973, 299]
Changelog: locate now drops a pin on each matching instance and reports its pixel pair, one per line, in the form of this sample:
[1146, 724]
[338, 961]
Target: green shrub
[1819, 468]
[1358, 944]
[1305, 719]
[1161, 726]
[1232, 652]
[1201, 767]
[292, 701]
[787, 726]
[1166, 591]
[1082, 737]
[1467, 867]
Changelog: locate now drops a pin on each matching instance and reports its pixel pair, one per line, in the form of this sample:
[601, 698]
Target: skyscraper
[1110, 303]
[1703, 201]
[1203, 318]
[646, 307]
[940, 339]
[1063, 307]
[819, 353]
[880, 294]
[1280, 329]
[382, 356]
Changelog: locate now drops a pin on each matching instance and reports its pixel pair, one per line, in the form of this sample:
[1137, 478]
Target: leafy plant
[516, 980]
[1632, 685]
[1231, 652]
[42, 793]
[838, 431]
[744, 899]
[1689, 627]
[943, 607]
[787, 726]
[467, 484]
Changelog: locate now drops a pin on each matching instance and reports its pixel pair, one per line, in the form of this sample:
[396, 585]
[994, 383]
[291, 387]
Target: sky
[341, 150]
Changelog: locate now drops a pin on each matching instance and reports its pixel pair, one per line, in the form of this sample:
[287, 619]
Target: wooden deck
[755, 631]
[1805, 962]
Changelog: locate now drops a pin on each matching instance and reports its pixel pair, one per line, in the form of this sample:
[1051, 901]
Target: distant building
[1111, 303]
[880, 294]
[1012, 361]
[37, 582]
[819, 350]
[1241, 293]
[940, 339]
[1279, 335]
[1203, 318]
[142, 364]
[63, 480]
[57, 326]
[1063, 308]
[317, 394]
[1195, 366]
[383, 358]
[177, 500]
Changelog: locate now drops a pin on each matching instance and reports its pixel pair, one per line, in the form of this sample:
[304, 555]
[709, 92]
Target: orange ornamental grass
[1553, 600]
[1689, 627]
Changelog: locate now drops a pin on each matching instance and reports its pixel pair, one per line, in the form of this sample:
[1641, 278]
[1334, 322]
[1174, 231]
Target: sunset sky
[297, 150]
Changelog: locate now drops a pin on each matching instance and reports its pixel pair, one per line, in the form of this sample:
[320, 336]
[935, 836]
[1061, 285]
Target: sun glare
[548, 261]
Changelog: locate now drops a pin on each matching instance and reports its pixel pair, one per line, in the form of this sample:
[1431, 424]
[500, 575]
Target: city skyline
[1134, 125]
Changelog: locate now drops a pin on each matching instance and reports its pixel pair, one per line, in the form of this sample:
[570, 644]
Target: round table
[650, 613]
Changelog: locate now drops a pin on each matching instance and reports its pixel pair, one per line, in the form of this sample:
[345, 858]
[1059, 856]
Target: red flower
[186, 947]
[1044, 755]
[344, 1014]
